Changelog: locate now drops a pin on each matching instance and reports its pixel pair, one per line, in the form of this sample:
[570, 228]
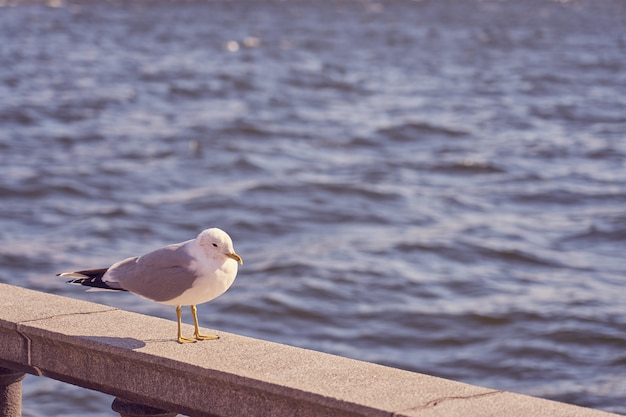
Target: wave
[468, 166]
[411, 131]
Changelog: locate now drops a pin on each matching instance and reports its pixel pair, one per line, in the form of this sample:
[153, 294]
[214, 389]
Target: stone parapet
[136, 358]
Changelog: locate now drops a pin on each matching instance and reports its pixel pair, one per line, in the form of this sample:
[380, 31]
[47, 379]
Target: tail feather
[90, 278]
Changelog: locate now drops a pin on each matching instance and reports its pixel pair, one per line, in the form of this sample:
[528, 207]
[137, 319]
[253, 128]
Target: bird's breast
[211, 282]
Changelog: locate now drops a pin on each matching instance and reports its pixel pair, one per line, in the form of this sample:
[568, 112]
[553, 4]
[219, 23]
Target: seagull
[181, 274]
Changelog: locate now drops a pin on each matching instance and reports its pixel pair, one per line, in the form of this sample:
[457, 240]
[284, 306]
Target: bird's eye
[215, 245]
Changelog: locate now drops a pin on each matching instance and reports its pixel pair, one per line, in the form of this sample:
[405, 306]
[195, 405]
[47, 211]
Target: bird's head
[216, 242]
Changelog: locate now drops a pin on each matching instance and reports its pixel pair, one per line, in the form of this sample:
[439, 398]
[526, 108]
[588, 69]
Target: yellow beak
[235, 257]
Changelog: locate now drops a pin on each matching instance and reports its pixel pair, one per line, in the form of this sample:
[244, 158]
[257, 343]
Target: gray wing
[160, 275]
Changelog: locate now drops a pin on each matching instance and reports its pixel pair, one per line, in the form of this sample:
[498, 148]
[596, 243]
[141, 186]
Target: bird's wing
[160, 275]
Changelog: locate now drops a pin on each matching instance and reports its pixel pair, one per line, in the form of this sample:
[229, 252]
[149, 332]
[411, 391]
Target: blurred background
[438, 186]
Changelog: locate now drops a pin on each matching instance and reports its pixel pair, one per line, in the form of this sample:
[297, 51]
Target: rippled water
[438, 186]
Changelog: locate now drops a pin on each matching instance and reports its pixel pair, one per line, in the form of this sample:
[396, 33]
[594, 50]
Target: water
[438, 186]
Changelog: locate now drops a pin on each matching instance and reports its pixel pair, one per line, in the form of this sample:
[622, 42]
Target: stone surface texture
[137, 358]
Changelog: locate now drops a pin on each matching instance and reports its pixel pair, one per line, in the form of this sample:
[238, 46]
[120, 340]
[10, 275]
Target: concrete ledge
[135, 357]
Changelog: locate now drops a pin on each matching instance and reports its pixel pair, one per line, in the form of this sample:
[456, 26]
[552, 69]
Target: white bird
[181, 274]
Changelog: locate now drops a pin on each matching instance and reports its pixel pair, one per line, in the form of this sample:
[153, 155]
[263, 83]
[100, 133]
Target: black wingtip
[90, 278]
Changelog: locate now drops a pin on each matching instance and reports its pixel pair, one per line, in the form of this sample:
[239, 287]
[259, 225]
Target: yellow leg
[194, 313]
[181, 339]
